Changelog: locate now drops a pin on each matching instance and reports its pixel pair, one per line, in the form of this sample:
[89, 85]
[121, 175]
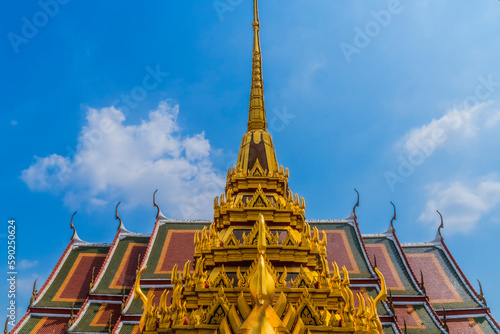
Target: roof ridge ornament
[481, 294]
[391, 230]
[33, 294]
[355, 206]
[442, 223]
[394, 216]
[438, 240]
[75, 238]
[121, 226]
[159, 214]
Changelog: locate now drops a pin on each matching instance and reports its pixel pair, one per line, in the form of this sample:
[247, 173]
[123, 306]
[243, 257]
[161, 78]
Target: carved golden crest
[251, 239]
[307, 311]
[221, 280]
[218, 309]
[303, 280]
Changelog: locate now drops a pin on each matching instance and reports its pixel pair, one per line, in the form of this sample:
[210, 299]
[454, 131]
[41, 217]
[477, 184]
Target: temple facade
[258, 267]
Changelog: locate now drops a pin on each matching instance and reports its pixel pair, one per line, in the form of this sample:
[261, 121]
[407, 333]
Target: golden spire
[257, 143]
[257, 110]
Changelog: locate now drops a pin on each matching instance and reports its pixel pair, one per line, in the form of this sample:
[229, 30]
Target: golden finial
[257, 110]
[118, 217]
[355, 206]
[33, 294]
[394, 216]
[481, 294]
[6, 328]
[442, 223]
[71, 226]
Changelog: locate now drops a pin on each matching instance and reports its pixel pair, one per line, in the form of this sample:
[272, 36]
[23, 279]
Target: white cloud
[25, 264]
[493, 119]
[462, 207]
[453, 127]
[114, 161]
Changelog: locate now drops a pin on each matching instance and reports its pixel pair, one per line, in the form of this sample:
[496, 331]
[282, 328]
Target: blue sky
[107, 101]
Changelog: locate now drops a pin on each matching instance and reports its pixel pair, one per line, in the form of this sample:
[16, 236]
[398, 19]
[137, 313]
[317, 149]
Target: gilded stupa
[258, 267]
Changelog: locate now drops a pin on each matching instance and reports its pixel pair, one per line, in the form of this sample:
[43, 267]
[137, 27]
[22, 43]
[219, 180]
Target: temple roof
[386, 253]
[345, 246]
[472, 325]
[444, 282]
[172, 237]
[119, 271]
[70, 281]
[172, 242]
[418, 319]
[43, 325]
[95, 318]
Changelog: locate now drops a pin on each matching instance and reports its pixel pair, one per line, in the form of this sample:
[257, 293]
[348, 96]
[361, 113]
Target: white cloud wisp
[114, 161]
[462, 206]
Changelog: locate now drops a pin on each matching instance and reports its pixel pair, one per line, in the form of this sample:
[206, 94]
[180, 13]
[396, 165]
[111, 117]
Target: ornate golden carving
[221, 280]
[186, 277]
[230, 240]
[307, 311]
[244, 280]
[218, 309]
[306, 236]
[259, 200]
[257, 170]
[303, 280]
[200, 276]
[290, 240]
[251, 239]
[164, 312]
[148, 319]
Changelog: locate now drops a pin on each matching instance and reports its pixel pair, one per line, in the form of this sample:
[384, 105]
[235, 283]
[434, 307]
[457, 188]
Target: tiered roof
[172, 241]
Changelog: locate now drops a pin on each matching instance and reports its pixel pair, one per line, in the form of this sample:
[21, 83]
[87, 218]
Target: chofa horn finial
[355, 206]
[394, 216]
